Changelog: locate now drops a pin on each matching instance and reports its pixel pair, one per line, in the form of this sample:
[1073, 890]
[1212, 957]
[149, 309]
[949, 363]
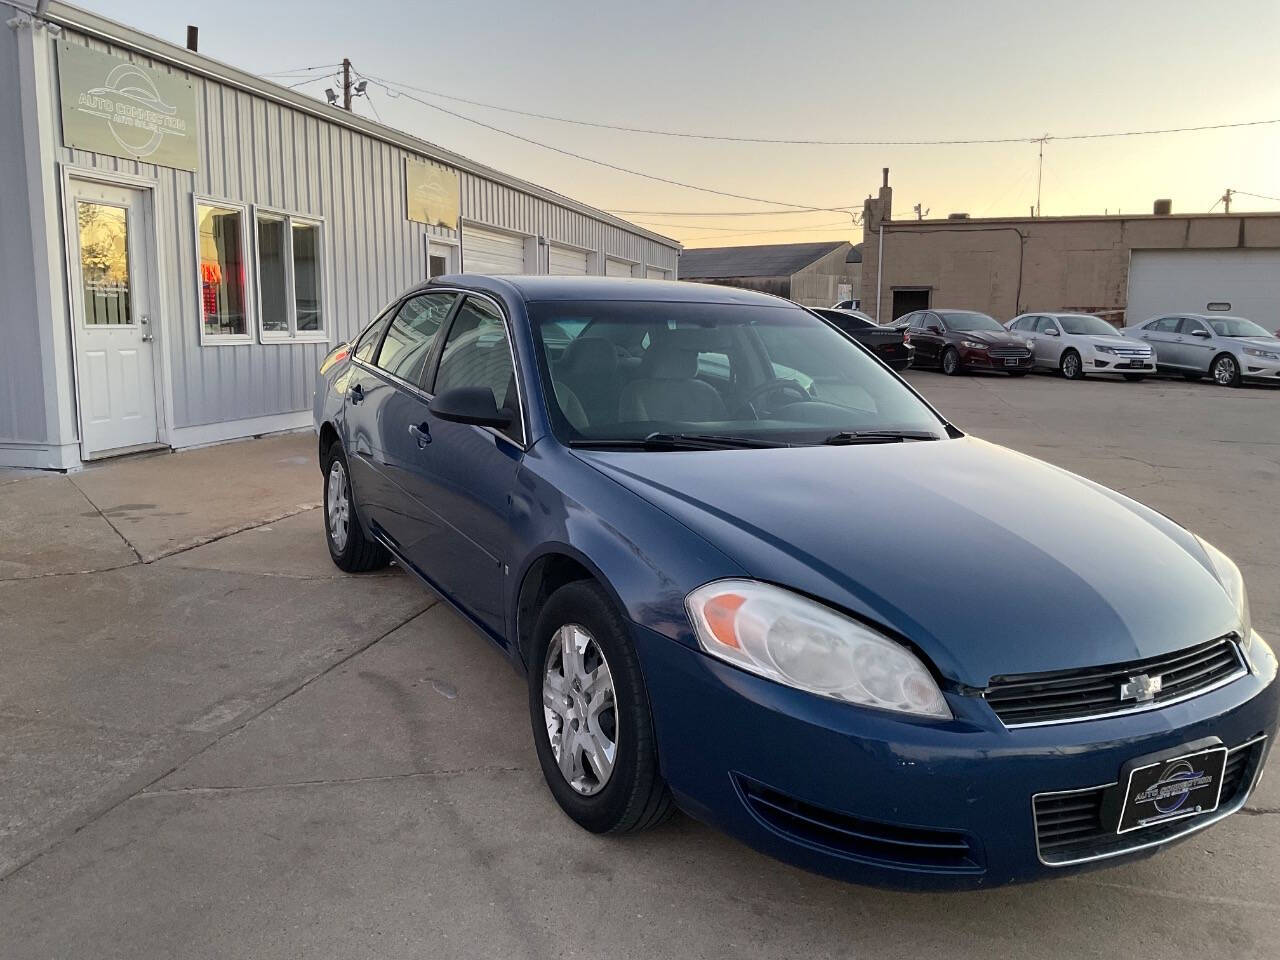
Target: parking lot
[213, 744]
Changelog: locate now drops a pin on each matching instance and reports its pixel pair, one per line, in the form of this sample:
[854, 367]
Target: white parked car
[1078, 344]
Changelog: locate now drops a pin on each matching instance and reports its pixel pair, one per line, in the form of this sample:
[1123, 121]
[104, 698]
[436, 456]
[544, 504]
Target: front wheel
[1071, 365]
[950, 362]
[1226, 371]
[590, 713]
[349, 548]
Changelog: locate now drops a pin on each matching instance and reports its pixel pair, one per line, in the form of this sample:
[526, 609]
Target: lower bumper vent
[886, 844]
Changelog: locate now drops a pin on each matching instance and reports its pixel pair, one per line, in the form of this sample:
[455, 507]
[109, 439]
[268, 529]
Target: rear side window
[1164, 325]
[368, 344]
[412, 332]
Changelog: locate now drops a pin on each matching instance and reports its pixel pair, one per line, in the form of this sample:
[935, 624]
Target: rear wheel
[349, 548]
[1225, 371]
[590, 713]
[1071, 366]
[950, 361]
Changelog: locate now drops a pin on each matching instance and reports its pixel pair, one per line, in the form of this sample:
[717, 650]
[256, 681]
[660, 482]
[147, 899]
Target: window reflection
[104, 262]
[222, 281]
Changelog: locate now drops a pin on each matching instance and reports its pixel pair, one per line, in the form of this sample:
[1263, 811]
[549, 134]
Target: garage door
[566, 261]
[488, 251]
[655, 273]
[616, 268]
[1243, 283]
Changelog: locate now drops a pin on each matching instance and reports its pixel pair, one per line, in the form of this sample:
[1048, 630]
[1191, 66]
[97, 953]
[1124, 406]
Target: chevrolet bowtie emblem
[1141, 688]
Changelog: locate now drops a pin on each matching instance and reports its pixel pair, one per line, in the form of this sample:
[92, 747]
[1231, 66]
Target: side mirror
[1052, 332]
[473, 405]
[1202, 333]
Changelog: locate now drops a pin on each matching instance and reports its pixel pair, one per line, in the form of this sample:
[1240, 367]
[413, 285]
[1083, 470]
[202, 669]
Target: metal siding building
[263, 150]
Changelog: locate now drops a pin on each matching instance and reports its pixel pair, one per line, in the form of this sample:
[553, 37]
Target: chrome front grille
[1009, 353]
[1063, 696]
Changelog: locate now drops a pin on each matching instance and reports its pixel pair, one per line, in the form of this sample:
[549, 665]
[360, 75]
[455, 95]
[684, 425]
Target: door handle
[147, 338]
[356, 393]
[421, 433]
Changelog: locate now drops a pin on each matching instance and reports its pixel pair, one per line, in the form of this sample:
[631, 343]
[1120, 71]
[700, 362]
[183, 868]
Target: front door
[112, 263]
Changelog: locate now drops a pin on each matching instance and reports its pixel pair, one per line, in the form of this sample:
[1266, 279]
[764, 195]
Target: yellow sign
[114, 106]
[433, 194]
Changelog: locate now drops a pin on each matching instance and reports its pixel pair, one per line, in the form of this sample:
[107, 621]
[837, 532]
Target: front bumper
[983, 360]
[787, 772]
[1110, 363]
[1258, 368]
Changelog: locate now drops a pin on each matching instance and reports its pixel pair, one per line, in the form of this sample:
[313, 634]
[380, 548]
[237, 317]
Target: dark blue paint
[986, 561]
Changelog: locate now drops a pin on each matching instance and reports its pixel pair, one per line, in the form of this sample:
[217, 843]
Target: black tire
[1017, 373]
[1225, 370]
[1071, 366]
[354, 553]
[634, 796]
[1135, 377]
[950, 363]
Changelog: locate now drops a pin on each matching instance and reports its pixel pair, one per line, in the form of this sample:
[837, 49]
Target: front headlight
[1233, 582]
[975, 345]
[1264, 354]
[785, 637]
[1100, 348]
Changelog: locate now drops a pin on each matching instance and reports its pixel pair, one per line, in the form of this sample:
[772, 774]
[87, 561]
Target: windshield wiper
[850, 437]
[678, 441]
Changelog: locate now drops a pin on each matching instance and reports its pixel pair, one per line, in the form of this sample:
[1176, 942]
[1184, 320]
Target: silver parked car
[1077, 344]
[1229, 349]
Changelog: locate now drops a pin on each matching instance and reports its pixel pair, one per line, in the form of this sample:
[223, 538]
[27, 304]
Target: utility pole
[346, 84]
[1226, 200]
[1040, 172]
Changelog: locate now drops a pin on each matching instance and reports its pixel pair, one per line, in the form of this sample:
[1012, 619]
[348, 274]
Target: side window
[1164, 325]
[368, 343]
[1045, 324]
[1190, 326]
[412, 332]
[477, 353]
[917, 321]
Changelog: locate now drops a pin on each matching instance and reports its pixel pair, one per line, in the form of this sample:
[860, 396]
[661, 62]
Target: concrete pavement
[235, 751]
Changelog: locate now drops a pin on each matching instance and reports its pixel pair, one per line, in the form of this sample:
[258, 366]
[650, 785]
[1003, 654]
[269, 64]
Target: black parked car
[887, 343]
[958, 340]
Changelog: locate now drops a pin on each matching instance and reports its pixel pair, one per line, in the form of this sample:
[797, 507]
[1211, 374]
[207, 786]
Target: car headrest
[590, 354]
[674, 354]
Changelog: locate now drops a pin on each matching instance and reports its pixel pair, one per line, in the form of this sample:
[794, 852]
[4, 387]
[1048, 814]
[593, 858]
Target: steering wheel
[759, 393]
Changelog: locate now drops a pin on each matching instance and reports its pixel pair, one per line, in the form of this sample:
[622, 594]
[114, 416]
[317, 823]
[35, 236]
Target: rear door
[1196, 351]
[1162, 334]
[1048, 345]
[926, 337]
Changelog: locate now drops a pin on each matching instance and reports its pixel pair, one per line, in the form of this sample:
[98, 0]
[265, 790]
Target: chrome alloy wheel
[1224, 371]
[338, 506]
[579, 706]
[1071, 366]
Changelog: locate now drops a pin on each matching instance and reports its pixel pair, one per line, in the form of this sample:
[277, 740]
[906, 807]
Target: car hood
[989, 561]
[1261, 343]
[990, 336]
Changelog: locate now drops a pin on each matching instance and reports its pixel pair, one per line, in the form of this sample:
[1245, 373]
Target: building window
[223, 291]
[290, 276]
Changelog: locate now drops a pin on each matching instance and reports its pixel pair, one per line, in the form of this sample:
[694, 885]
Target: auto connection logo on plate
[114, 106]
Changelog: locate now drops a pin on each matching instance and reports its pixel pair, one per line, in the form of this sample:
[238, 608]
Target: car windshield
[1236, 327]
[971, 321]
[1082, 324]
[625, 370]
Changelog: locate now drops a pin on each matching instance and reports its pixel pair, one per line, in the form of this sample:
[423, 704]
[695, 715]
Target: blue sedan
[749, 572]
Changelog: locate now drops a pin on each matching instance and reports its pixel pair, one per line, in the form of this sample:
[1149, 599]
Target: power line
[298, 70]
[703, 226]
[600, 163]
[819, 142]
[728, 213]
[1256, 196]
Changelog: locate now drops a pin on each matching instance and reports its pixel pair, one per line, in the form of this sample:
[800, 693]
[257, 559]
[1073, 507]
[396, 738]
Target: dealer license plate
[1172, 789]
[1012, 362]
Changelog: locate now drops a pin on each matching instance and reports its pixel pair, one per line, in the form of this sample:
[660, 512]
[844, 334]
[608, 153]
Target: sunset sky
[840, 70]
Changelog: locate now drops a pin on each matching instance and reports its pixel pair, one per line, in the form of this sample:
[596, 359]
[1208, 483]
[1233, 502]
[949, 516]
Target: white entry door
[111, 269]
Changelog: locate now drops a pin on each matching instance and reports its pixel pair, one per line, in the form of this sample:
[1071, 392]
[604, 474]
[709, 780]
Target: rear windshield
[623, 369]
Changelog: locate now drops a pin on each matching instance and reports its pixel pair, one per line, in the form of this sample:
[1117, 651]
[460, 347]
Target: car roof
[550, 288]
